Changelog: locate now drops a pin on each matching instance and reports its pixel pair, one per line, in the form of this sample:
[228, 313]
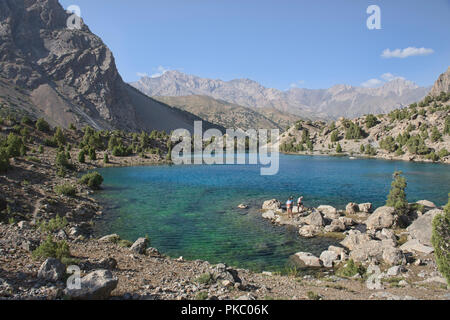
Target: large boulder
[365, 207]
[352, 208]
[329, 258]
[414, 246]
[306, 259]
[393, 256]
[110, 238]
[314, 219]
[354, 239]
[377, 251]
[420, 229]
[336, 226]
[139, 246]
[339, 251]
[97, 285]
[52, 269]
[308, 231]
[329, 212]
[383, 217]
[426, 203]
[348, 222]
[269, 214]
[273, 204]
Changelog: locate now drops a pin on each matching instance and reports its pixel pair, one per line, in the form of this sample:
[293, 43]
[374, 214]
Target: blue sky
[279, 43]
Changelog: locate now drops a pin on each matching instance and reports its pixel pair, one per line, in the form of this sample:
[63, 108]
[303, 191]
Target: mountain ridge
[331, 103]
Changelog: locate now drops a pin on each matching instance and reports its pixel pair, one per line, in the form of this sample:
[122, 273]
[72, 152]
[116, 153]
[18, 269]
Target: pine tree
[397, 195]
[338, 148]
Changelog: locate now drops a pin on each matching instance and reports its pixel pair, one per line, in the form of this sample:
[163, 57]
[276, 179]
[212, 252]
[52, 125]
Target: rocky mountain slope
[420, 132]
[230, 115]
[442, 84]
[340, 100]
[69, 75]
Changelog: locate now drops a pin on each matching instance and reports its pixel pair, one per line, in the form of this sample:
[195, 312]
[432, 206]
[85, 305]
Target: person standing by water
[300, 204]
[289, 205]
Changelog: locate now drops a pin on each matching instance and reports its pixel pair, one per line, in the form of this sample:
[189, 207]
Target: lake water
[190, 211]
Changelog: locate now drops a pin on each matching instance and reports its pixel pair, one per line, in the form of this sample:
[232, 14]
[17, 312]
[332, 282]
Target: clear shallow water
[190, 211]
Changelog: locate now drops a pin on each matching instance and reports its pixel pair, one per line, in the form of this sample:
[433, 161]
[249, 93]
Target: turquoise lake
[191, 210]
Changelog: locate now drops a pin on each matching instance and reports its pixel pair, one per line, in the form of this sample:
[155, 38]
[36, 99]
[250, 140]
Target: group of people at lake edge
[290, 205]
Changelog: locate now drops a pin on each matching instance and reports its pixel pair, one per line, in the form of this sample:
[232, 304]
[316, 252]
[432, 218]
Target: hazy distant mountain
[70, 76]
[230, 115]
[339, 100]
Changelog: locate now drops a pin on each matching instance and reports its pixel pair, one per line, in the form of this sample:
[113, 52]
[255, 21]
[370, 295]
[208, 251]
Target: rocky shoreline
[377, 239]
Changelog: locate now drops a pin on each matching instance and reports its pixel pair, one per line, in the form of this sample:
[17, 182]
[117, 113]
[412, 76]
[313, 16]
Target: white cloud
[371, 83]
[407, 52]
[389, 77]
[377, 82]
[297, 84]
[158, 72]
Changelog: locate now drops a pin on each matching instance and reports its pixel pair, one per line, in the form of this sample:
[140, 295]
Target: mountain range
[332, 103]
[69, 75]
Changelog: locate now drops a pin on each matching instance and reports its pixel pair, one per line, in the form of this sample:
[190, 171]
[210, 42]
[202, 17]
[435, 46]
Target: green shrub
[42, 125]
[205, 278]
[388, 144]
[202, 295]
[338, 148]
[93, 180]
[353, 131]
[59, 137]
[52, 249]
[435, 135]
[397, 195]
[41, 149]
[54, 224]
[440, 239]
[447, 125]
[82, 156]
[4, 160]
[351, 269]
[26, 120]
[106, 158]
[92, 154]
[124, 243]
[66, 189]
[371, 121]
[335, 136]
[62, 161]
[443, 153]
[14, 145]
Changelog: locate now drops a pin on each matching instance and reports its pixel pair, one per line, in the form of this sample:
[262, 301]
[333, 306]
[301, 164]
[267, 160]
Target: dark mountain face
[70, 75]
